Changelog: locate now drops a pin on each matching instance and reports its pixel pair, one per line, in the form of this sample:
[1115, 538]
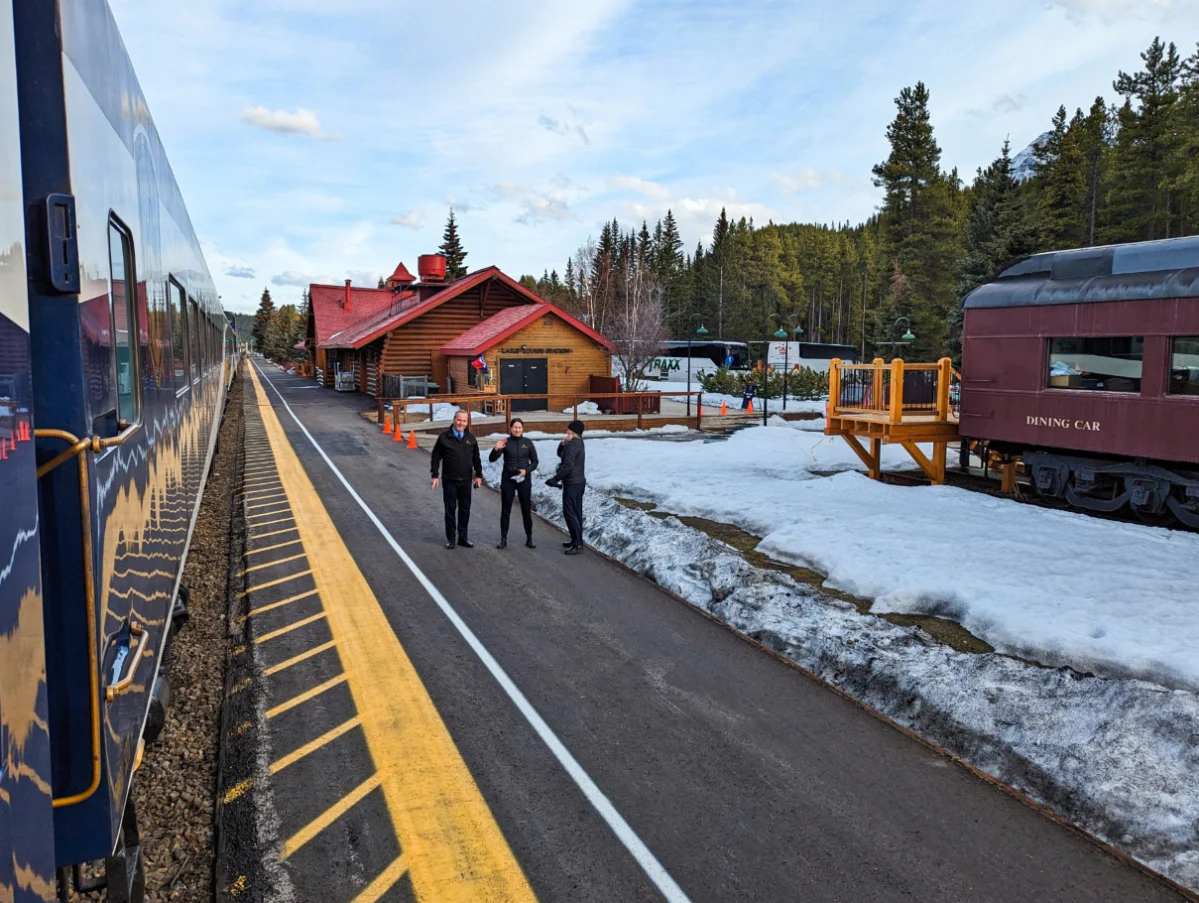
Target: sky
[316, 141]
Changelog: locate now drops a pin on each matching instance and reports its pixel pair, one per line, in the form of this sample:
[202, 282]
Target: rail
[638, 403]
[894, 391]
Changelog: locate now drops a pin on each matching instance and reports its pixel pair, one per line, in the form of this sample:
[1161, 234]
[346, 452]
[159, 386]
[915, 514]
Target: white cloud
[410, 220]
[1109, 8]
[291, 277]
[535, 205]
[805, 179]
[240, 272]
[641, 186]
[284, 122]
[363, 278]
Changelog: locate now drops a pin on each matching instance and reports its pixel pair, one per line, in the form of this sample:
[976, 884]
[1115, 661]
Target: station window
[1184, 365]
[123, 299]
[178, 303]
[1106, 364]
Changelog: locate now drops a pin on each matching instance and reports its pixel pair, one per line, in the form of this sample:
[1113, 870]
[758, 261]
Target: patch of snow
[587, 407]
[1024, 164]
[1118, 757]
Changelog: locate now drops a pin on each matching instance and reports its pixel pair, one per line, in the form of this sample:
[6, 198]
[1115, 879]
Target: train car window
[122, 295]
[193, 334]
[178, 302]
[1097, 364]
[1184, 366]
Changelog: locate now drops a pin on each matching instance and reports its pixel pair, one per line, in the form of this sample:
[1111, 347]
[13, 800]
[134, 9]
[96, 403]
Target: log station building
[484, 333]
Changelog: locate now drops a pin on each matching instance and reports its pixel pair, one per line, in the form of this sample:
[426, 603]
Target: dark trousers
[523, 490]
[456, 495]
[572, 510]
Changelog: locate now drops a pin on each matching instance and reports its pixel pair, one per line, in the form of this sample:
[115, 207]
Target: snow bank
[441, 411]
[713, 399]
[586, 407]
[1118, 757]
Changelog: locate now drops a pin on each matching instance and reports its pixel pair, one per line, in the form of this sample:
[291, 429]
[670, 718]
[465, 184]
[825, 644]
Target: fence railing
[894, 391]
[628, 403]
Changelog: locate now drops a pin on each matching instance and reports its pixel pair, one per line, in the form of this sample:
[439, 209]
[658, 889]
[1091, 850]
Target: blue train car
[118, 350]
[26, 827]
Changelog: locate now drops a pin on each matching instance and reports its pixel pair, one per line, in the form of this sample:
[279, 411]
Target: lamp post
[906, 339]
[798, 331]
[701, 332]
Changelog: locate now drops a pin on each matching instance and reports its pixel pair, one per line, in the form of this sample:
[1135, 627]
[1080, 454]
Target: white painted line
[636, 847]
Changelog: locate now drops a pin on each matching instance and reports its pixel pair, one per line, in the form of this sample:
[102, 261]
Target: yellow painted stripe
[281, 496]
[268, 535]
[269, 523]
[273, 605]
[276, 582]
[271, 564]
[453, 847]
[305, 696]
[270, 487]
[278, 545]
[303, 656]
[330, 815]
[385, 882]
[290, 627]
[277, 508]
[313, 745]
[238, 789]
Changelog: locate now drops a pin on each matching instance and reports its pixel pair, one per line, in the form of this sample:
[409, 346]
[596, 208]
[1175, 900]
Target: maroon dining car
[1086, 364]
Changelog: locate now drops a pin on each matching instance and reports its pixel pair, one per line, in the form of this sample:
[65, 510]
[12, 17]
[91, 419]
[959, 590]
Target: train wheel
[125, 870]
[1155, 518]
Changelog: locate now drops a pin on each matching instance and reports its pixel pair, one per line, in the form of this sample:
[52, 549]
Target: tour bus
[706, 357]
[812, 355]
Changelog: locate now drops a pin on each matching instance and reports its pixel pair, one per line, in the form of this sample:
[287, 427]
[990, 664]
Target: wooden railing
[640, 403]
[892, 391]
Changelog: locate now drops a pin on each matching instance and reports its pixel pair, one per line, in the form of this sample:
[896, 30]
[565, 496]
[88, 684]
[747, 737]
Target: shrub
[803, 383]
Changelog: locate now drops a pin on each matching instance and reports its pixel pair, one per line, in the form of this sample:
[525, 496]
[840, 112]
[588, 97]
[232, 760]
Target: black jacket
[458, 459]
[519, 454]
[572, 469]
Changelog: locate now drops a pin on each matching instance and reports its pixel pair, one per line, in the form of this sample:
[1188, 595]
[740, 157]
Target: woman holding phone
[520, 460]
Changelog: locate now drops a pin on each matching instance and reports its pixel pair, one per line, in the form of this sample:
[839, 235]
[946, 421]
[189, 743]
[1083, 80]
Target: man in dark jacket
[572, 477]
[520, 460]
[456, 455]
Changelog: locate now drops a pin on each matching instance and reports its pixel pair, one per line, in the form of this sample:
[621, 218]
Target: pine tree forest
[1119, 171]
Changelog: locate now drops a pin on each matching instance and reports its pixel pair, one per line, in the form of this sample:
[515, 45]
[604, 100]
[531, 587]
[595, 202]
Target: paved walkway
[485, 725]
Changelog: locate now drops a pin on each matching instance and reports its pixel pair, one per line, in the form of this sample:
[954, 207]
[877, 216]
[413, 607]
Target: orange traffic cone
[28, 432]
[387, 424]
[724, 408]
[750, 409]
[398, 434]
[412, 438]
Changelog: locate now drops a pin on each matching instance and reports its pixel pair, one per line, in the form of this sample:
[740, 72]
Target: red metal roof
[367, 332]
[507, 322]
[328, 308]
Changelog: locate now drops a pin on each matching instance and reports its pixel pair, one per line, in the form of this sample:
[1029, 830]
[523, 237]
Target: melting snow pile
[1118, 756]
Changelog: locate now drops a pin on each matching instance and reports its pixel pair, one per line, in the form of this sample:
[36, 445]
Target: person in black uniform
[571, 476]
[520, 460]
[456, 455]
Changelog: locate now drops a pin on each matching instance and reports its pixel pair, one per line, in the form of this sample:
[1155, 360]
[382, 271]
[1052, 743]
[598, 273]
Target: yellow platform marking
[238, 789]
[280, 497]
[271, 523]
[271, 564]
[275, 512]
[275, 582]
[385, 882]
[453, 847]
[303, 622]
[296, 659]
[330, 815]
[305, 696]
[312, 746]
[278, 545]
[268, 535]
[273, 605]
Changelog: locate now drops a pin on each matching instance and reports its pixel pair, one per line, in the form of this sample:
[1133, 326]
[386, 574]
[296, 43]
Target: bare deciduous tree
[638, 330]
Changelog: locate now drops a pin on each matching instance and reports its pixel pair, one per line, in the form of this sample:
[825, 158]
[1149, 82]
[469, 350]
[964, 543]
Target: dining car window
[122, 294]
[1096, 364]
[178, 302]
[1184, 365]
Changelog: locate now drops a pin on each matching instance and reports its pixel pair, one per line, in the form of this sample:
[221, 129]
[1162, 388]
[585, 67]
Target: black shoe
[530, 544]
[503, 543]
[575, 550]
[466, 543]
[449, 543]
[568, 544]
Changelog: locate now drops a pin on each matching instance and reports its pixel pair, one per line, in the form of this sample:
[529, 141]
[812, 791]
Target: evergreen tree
[382, 283]
[1141, 205]
[262, 320]
[451, 248]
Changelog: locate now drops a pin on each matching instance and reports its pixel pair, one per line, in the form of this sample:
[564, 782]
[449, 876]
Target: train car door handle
[139, 635]
[62, 245]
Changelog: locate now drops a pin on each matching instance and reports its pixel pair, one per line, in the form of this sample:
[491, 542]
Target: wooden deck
[879, 415]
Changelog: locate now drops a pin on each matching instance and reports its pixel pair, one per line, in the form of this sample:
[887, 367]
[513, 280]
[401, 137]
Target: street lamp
[701, 332]
[906, 339]
[780, 334]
